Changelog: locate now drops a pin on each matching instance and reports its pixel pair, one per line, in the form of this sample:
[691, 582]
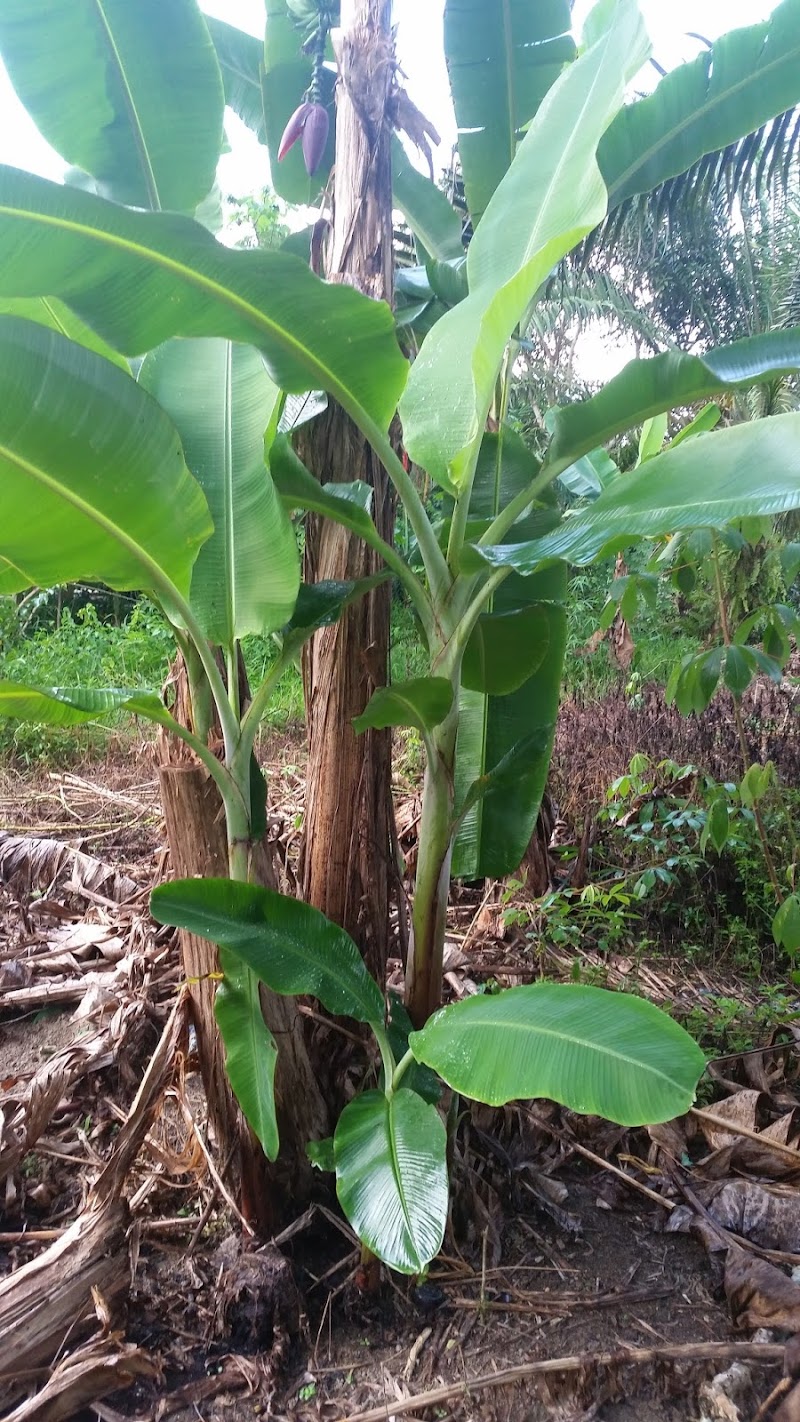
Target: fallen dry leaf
[31, 862]
[741, 1109]
[789, 1410]
[767, 1215]
[722, 1395]
[759, 1294]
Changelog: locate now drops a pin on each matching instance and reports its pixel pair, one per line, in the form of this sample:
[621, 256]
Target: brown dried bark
[101, 1367]
[49, 1302]
[347, 847]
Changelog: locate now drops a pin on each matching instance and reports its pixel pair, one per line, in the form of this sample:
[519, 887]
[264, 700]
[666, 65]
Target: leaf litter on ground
[549, 1249]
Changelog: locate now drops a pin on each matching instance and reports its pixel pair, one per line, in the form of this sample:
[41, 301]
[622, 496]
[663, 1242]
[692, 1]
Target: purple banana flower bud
[294, 128]
[315, 136]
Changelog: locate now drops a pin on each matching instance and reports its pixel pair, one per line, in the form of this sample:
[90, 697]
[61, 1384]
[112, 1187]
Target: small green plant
[725, 1025]
[31, 1166]
[389, 1149]
[603, 915]
[733, 663]
[689, 849]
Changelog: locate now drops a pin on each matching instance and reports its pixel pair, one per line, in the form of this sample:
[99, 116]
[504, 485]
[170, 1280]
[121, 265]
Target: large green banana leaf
[251, 1052]
[94, 483]
[731, 89]
[287, 945]
[292, 947]
[602, 1053]
[495, 833]
[511, 682]
[391, 1176]
[73, 706]
[649, 387]
[128, 90]
[422, 702]
[433, 220]
[139, 278]
[503, 56]
[57, 317]
[348, 504]
[221, 401]
[746, 471]
[549, 198]
[241, 60]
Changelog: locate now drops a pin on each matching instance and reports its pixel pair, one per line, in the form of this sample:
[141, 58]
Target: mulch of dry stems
[589, 1271]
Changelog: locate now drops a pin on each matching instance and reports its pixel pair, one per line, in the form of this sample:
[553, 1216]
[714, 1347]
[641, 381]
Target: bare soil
[549, 1255]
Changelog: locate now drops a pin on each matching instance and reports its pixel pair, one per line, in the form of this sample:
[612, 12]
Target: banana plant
[185, 509]
[170, 496]
[97, 483]
[597, 1052]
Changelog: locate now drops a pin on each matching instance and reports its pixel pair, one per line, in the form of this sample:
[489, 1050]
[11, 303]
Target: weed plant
[82, 650]
[659, 888]
[660, 637]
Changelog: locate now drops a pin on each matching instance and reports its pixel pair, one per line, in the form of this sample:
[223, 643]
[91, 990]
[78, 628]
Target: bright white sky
[419, 28]
[420, 54]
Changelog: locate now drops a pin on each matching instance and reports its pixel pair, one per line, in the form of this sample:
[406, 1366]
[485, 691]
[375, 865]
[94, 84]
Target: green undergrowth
[82, 647]
[661, 898]
[83, 650]
[659, 636]
[87, 649]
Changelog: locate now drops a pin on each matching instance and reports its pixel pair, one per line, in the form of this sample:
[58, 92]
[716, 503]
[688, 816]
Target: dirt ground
[569, 1239]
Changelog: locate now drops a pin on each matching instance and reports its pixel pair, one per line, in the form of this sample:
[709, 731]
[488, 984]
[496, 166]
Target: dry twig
[765, 1353]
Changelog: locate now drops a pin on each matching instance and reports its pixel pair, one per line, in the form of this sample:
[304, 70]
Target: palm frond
[583, 299]
[761, 165]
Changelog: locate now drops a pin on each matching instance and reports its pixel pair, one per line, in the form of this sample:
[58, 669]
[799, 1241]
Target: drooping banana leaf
[434, 221]
[348, 504]
[650, 387]
[251, 1052]
[290, 946]
[523, 636]
[745, 471]
[221, 401]
[73, 706]
[130, 92]
[94, 483]
[496, 831]
[241, 61]
[422, 702]
[139, 278]
[503, 56]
